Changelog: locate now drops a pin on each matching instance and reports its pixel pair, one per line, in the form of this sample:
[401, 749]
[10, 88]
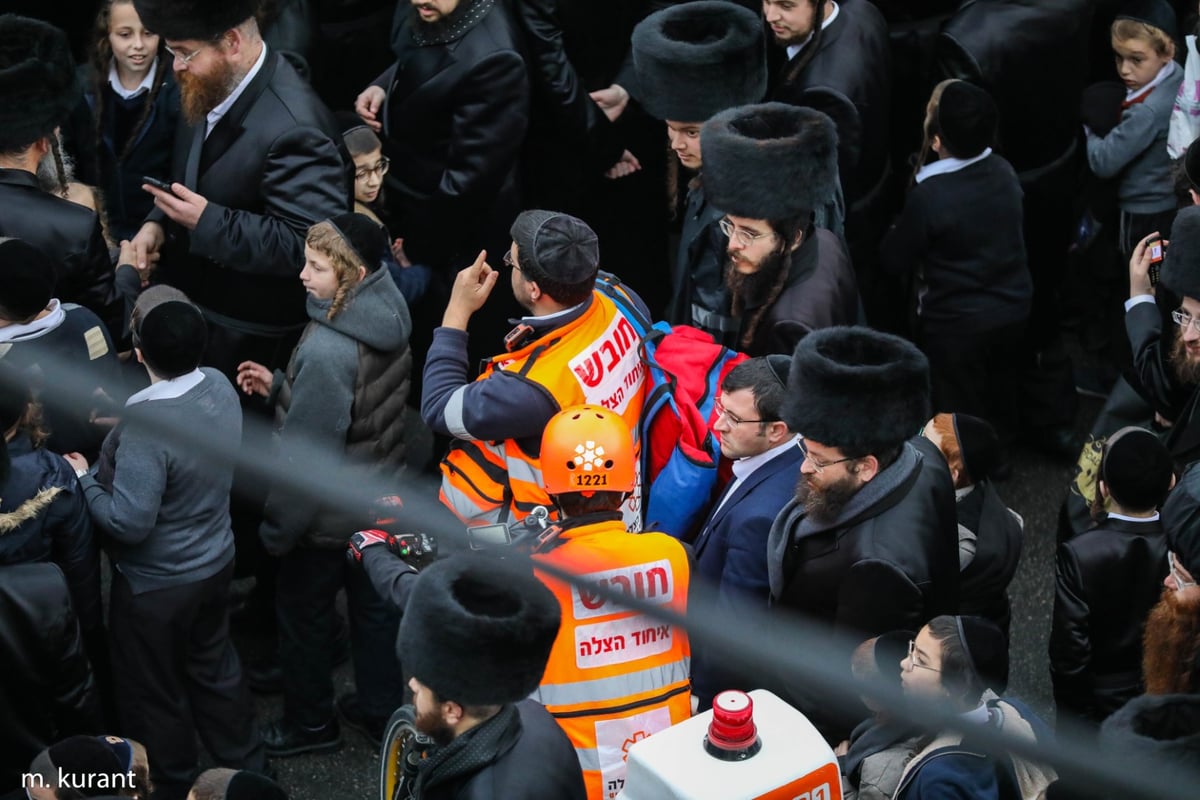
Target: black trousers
[308, 583]
[977, 373]
[177, 675]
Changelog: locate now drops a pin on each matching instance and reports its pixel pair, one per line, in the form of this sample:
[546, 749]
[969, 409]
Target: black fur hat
[857, 389]
[38, 89]
[180, 20]
[1181, 263]
[769, 161]
[697, 59]
[476, 633]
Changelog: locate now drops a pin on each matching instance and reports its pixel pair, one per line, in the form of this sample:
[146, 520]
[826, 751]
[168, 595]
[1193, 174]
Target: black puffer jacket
[1106, 581]
[48, 691]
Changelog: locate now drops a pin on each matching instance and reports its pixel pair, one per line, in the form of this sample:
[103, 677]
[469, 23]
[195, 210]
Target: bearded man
[257, 162]
[768, 167]
[869, 543]
[1168, 365]
[1172, 634]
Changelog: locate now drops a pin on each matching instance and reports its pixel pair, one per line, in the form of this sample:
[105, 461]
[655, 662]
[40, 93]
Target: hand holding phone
[1157, 249]
[157, 184]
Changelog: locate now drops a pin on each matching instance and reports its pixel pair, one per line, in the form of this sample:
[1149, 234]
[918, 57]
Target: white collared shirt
[1152, 518]
[168, 389]
[743, 468]
[1167, 70]
[793, 49]
[223, 107]
[114, 80]
[944, 166]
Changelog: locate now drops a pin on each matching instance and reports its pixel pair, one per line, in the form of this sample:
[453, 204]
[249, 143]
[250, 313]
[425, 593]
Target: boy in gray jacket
[165, 511]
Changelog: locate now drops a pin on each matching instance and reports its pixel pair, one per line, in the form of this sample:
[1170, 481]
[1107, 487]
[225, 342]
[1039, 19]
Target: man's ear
[867, 468]
[137, 353]
[799, 240]
[1102, 487]
[535, 291]
[1195, 197]
[452, 712]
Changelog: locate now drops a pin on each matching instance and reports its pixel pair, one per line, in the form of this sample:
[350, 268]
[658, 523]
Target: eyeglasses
[380, 169]
[819, 467]
[1180, 581]
[744, 237]
[185, 60]
[912, 659]
[509, 262]
[1183, 320]
[731, 418]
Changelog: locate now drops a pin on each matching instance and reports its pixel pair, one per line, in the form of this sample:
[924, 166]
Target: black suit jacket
[848, 79]
[270, 168]
[453, 125]
[69, 235]
[1150, 344]
[1106, 581]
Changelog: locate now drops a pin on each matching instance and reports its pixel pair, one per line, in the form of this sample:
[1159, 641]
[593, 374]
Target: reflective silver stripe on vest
[453, 415]
[589, 758]
[605, 690]
[521, 470]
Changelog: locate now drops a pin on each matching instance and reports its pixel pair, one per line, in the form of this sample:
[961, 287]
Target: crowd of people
[785, 284]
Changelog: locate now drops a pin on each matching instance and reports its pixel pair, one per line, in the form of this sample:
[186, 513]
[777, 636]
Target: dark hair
[959, 677]
[810, 50]
[361, 140]
[100, 56]
[787, 230]
[566, 294]
[756, 375]
[575, 504]
[477, 711]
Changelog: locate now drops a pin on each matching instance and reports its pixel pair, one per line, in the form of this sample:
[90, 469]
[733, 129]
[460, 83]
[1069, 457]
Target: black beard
[751, 289]
[825, 504]
[1187, 371]
[432, 725]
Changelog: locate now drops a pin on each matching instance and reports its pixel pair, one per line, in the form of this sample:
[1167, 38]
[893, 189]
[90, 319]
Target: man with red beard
[768, 167]
[258, 161]
[1168, 366]
[1171, 647]
[869, 544]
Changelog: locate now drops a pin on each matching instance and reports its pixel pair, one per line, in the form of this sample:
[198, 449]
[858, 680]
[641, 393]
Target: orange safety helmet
[587, 449]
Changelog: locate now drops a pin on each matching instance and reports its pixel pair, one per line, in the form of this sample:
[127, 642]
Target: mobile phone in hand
[1157, 250]
[156, 183]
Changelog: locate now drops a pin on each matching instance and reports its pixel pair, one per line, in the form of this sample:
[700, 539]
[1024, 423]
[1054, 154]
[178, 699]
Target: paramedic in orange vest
[574, 347]
[615, 676]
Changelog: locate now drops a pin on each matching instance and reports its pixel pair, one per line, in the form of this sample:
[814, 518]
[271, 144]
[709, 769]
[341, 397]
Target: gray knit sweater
[167, 516]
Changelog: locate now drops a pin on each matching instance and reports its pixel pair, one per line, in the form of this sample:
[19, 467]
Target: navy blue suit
[731, 553]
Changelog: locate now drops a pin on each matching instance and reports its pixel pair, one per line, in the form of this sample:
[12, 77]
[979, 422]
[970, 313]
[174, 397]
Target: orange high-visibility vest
[616, 676]
[592, 359]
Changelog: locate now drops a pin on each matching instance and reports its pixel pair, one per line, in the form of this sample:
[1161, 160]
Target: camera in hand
[531, 532]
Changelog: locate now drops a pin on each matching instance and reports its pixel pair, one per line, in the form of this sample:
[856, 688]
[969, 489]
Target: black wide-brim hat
[769, 161]
[38, 89]
[202, 20]
[697, 59]
[857, 389]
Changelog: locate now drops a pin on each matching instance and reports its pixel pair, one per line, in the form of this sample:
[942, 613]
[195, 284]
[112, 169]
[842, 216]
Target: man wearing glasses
[731, 548]
[769, 167]
[258, 161]
[1167, 363]
[869, 542]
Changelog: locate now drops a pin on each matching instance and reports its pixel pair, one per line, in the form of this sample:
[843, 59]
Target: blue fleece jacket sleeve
[502, 406]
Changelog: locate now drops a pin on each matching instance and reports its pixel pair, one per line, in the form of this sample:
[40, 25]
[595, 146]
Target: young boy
[1135, 151]
[166, 513]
